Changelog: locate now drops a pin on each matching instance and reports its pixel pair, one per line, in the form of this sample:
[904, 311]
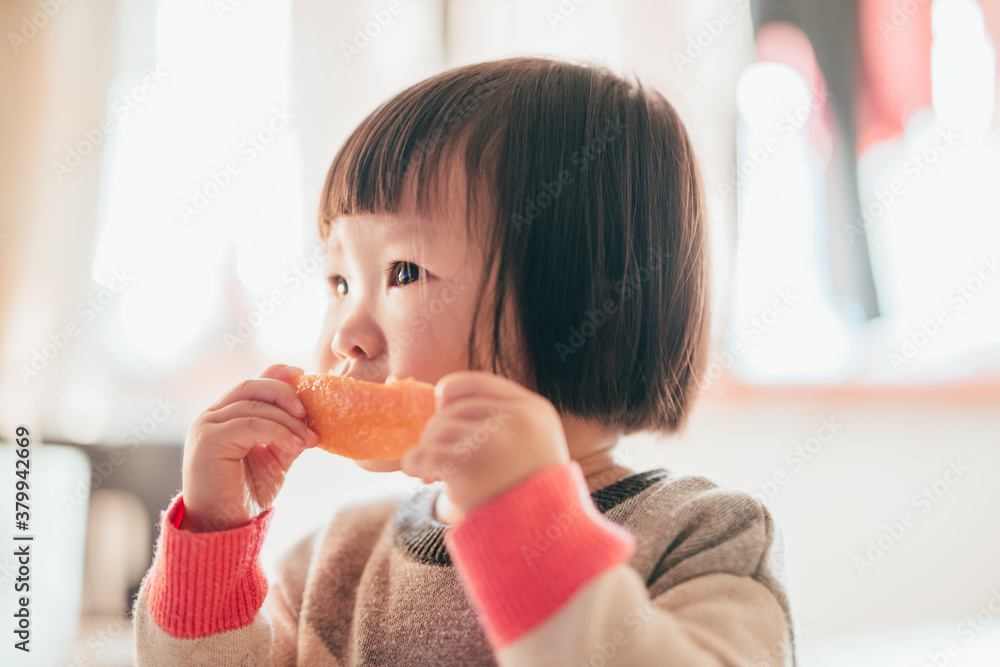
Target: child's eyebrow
[401, 227]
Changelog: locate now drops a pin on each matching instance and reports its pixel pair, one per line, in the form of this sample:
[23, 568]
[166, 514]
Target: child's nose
[357, 337]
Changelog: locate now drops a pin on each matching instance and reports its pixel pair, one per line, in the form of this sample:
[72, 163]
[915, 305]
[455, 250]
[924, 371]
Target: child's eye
[404, 273]
[338, 284]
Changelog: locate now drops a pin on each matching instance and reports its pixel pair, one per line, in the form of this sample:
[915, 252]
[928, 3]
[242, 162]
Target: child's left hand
[487, 434]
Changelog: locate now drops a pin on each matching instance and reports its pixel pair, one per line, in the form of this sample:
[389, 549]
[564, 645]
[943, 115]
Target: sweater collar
[421, 537]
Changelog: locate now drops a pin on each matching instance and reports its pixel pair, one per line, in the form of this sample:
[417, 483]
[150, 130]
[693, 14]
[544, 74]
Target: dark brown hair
[598, 230]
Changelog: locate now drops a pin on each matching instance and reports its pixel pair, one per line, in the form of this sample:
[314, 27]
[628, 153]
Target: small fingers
[280, 454]
[481, 384]
[257, 408]
[487, 410]
[269, 390]
[418, 462]
[244, 433]
[431, 460]
[282, 372]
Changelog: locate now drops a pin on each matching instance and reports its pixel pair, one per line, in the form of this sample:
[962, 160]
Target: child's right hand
[238, 451]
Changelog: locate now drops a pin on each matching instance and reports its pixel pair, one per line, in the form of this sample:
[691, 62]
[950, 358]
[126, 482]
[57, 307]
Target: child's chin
[379, 466]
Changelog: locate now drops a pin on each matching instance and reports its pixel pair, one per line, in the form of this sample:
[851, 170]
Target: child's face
[402, 293]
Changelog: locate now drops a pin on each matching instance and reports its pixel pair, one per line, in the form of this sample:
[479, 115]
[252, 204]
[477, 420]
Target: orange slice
[365, 421]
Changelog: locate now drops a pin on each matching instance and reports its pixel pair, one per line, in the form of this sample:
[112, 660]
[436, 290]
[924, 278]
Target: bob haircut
[598, 230]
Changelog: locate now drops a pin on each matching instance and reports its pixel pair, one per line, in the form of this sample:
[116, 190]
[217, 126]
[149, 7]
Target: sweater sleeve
[548, 575]
[206, 600]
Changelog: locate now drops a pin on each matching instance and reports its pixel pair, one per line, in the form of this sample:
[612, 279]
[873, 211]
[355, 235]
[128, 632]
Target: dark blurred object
[832, 30]
[150, 473]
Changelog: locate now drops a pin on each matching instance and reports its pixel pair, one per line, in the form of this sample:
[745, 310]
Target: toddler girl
[529, 235]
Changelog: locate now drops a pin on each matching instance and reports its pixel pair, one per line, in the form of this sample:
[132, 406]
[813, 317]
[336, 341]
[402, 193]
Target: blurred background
[159, 181]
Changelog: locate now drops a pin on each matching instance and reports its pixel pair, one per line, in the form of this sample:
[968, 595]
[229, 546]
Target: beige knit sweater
[377, 585]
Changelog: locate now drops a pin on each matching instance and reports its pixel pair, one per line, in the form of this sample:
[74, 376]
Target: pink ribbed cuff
[523, 554]
[206, 583]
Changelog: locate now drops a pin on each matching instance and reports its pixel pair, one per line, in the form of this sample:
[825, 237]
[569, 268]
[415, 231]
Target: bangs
[409, 141]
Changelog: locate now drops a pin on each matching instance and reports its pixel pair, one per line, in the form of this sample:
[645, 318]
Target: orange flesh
[365, 421]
